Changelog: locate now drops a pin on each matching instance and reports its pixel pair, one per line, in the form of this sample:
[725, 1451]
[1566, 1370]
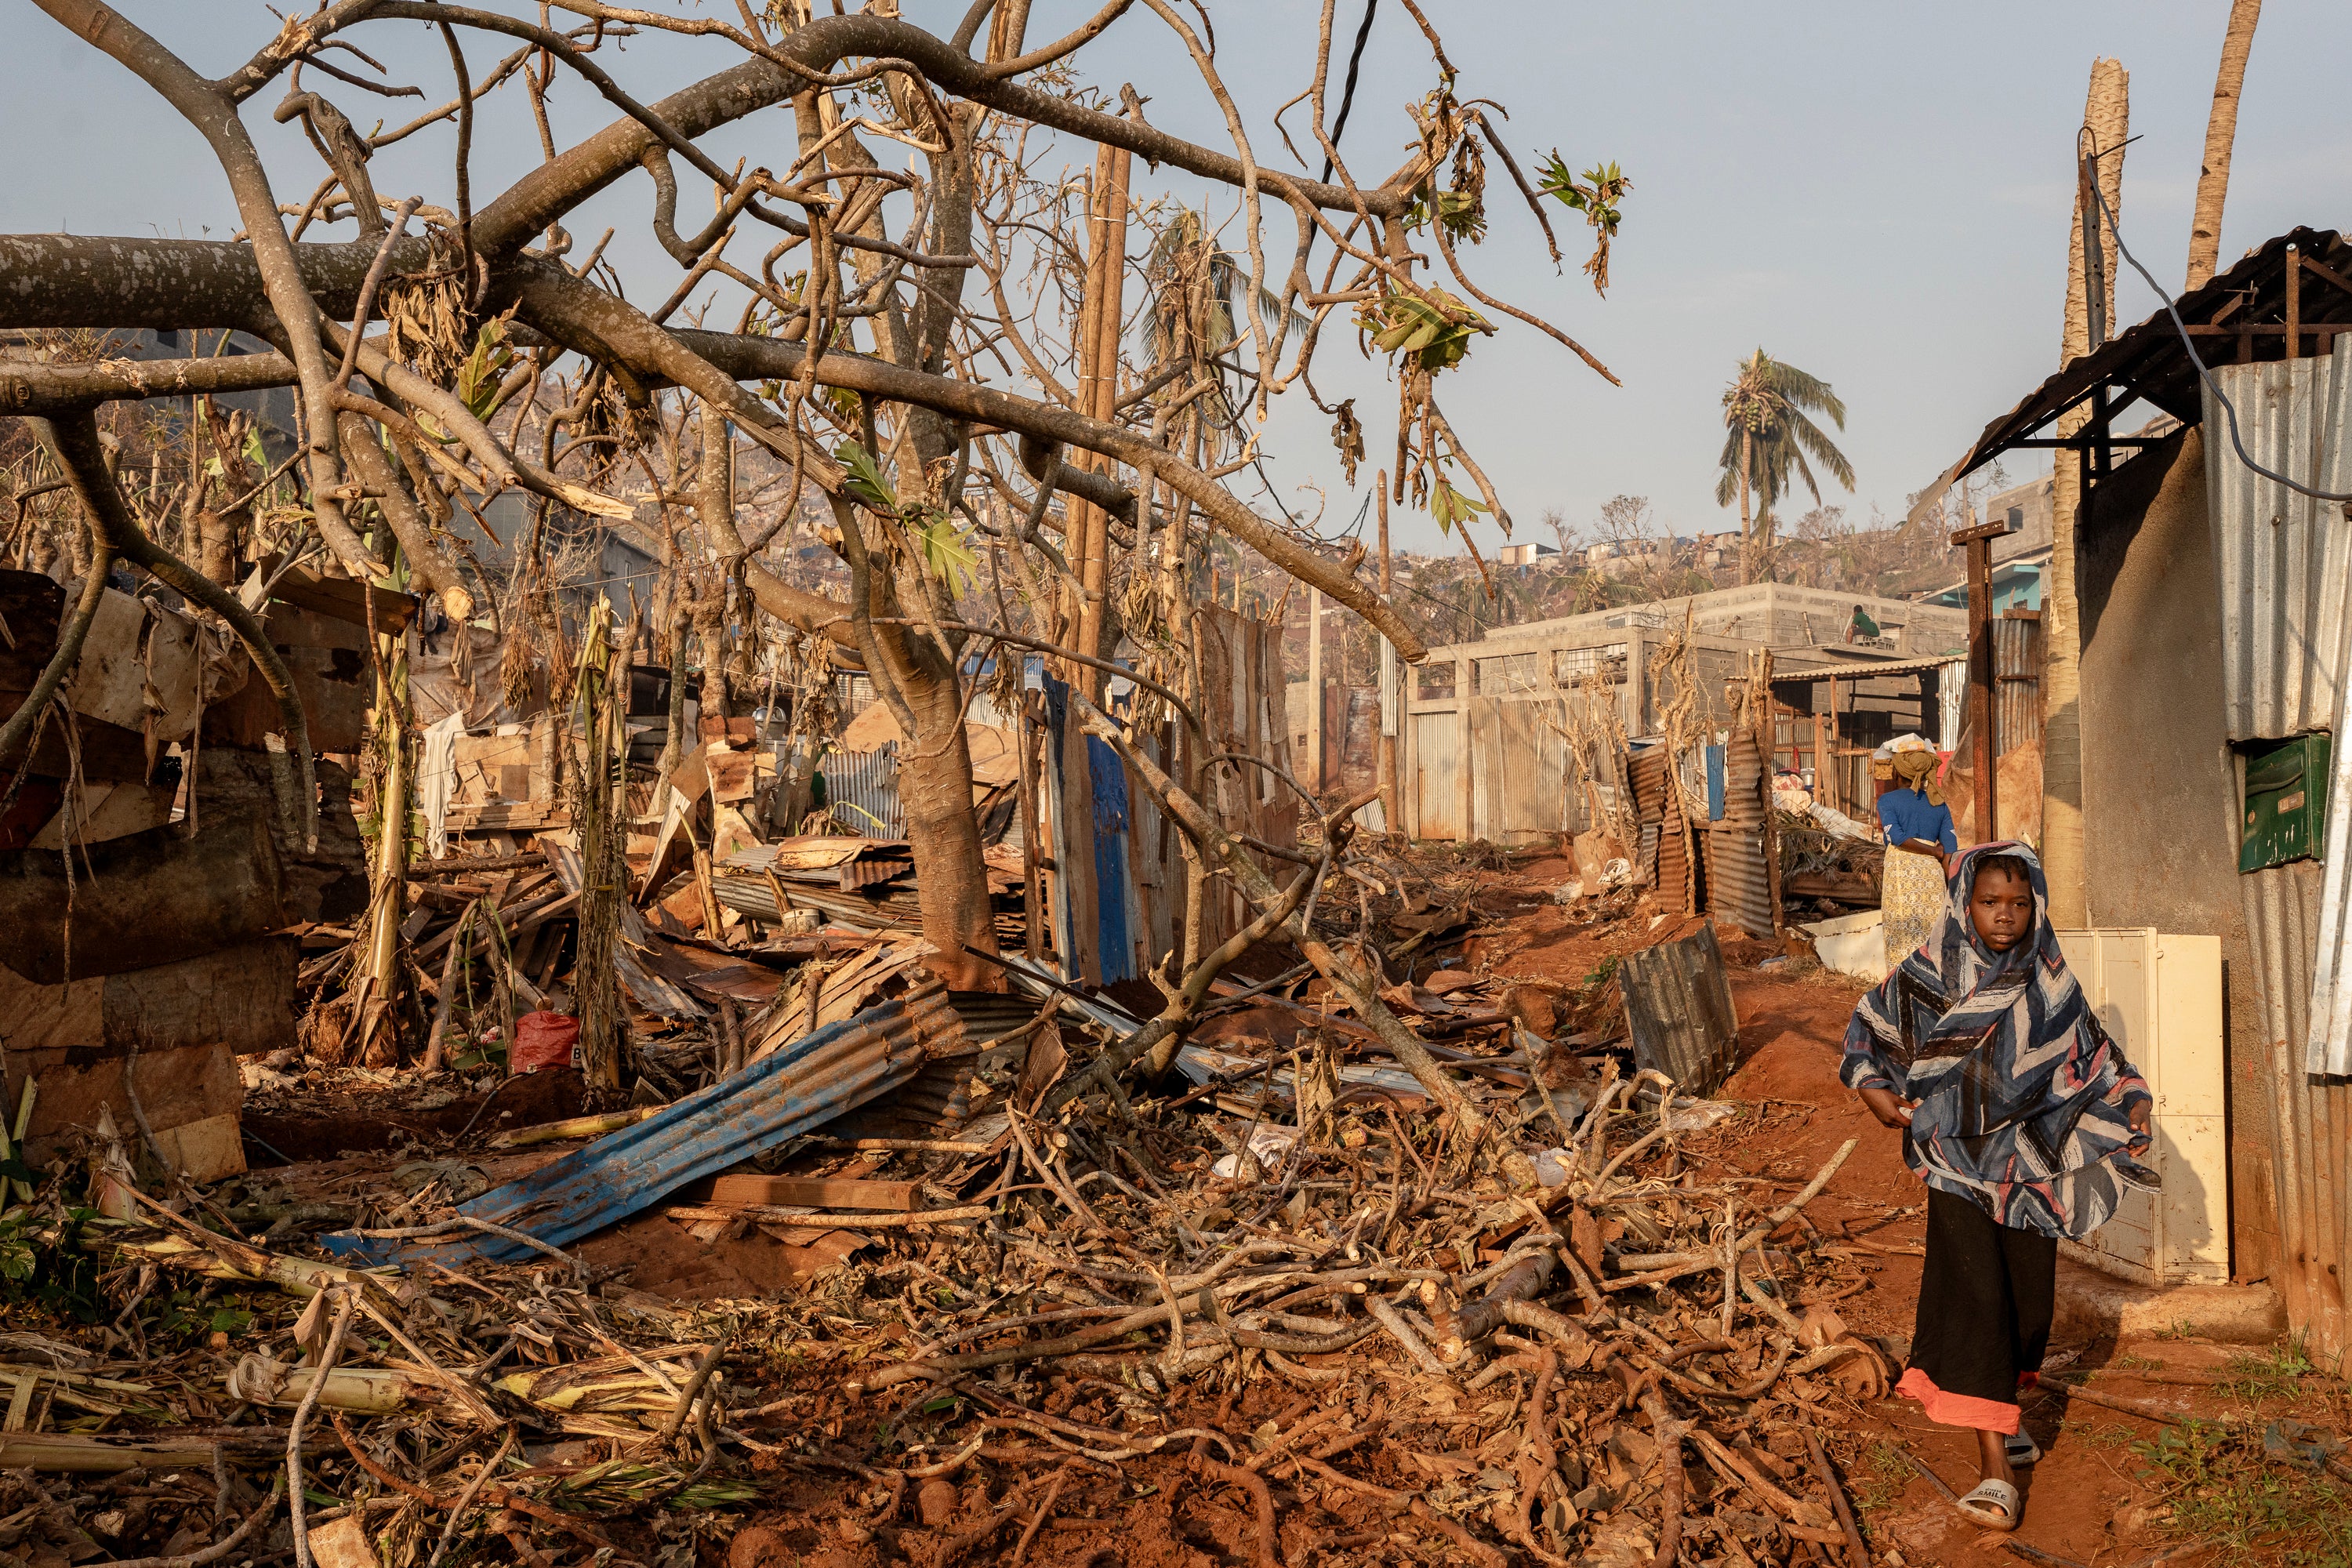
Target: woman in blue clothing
[1919, 830]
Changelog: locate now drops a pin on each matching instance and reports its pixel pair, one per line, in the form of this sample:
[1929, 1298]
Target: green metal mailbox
[2286, 813]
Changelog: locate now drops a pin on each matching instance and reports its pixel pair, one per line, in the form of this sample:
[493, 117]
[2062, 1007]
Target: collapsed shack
[149, 881]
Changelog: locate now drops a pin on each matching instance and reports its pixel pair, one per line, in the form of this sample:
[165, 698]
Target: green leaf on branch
[1403, 323]
[1450, 506]
[1597, 195]
[868, 485]
[478, 377]
[945, 554]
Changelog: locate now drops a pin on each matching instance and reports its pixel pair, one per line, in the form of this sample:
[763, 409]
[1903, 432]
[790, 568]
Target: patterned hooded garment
[2023, 1098]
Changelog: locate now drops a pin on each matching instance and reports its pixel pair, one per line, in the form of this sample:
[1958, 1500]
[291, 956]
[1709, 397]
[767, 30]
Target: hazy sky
[1877, 193]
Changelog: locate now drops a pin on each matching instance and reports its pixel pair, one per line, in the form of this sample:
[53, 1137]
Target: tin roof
[2150, 361]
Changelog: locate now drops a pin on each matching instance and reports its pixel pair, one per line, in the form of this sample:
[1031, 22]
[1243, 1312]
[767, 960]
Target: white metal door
[2161, 997]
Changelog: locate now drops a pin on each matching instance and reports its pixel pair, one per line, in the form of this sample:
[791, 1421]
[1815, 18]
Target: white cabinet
[2161, 997]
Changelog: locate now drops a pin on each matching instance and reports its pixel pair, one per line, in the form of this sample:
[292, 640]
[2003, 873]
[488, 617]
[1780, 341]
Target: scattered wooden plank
[816, 1191]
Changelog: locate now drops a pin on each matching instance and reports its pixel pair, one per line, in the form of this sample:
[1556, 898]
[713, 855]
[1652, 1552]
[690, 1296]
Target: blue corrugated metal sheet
[802, 1086]
[1113, 893]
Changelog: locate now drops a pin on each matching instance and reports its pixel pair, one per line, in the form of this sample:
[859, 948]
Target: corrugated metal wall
[2284, 564]
[869, 782]
[2016, 683]
[2311, 1116]
[1656, 805]
[1739, 882]
[2285, 560]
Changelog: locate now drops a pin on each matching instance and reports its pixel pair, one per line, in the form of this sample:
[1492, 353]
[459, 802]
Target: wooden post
[1393, 703]
[1314, 738]
[1468, 764]
[1978, 542]
[2293, 302]
[1837, 785]
[1821, 761]
[1087, 538]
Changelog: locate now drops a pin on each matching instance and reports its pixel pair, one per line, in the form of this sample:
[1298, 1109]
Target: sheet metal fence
[2285, 565]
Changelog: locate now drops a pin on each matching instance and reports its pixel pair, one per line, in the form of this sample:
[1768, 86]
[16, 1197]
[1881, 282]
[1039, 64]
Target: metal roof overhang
[1860, 670]
[2238, 317]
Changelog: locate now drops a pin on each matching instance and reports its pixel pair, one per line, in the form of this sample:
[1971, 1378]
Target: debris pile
[1291, 1293]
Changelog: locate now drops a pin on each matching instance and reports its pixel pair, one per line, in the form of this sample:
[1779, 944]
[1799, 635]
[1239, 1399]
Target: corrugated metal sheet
[2284, 564]
[1678, 1009]
[869, 782]
[2308, 1161]
[1738, 885]
[892, 908]
[1743, 782]
[1654, 802]
[2285, 561]
[2016, 684]
[788, 1092]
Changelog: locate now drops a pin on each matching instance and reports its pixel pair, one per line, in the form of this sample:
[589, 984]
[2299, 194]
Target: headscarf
[1918, 770]
[2023, 1098]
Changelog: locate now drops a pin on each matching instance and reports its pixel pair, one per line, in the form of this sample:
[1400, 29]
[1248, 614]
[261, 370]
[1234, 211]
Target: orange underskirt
[1957, 1409]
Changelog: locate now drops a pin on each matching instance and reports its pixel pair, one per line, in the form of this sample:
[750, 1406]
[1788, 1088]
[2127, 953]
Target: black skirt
[1985, 1303]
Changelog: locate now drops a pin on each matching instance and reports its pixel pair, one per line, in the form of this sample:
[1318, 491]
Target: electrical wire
[1348, 93]
[2229, 408]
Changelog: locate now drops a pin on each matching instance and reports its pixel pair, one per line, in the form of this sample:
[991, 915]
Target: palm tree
[1766, 440]
[1192, 314]
[2220, 133]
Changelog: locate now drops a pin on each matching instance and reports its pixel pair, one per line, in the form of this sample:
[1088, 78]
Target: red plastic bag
[542, 1040]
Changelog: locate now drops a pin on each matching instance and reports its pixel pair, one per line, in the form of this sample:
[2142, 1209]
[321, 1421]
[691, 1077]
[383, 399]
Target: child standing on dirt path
[2021, 1115]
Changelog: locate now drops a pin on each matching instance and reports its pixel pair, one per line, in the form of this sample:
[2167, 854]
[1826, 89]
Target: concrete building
[1779, 616]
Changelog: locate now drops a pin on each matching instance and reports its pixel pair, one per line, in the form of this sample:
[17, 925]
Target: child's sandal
[1993, 1505]
[2023, 1449]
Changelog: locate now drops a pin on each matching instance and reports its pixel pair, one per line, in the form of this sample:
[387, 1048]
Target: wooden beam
[815, 1192]
[1979, 549]
[2293, 302]
[2328, 274]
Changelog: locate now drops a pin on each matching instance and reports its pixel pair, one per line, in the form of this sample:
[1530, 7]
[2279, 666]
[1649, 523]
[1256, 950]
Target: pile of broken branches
[1330, 1323]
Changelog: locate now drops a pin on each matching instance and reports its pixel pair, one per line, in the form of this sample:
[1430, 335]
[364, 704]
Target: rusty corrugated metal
[1737, 887]
[1739, 882]
[801, 1087]
[1654, 802]
[2284, 564]
[2311, 1117]
[2285, 561]
[1675, 867]
[884, 862]
[1743, 782]
[893, 909]
[1679, 1012]
[2017, 684]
